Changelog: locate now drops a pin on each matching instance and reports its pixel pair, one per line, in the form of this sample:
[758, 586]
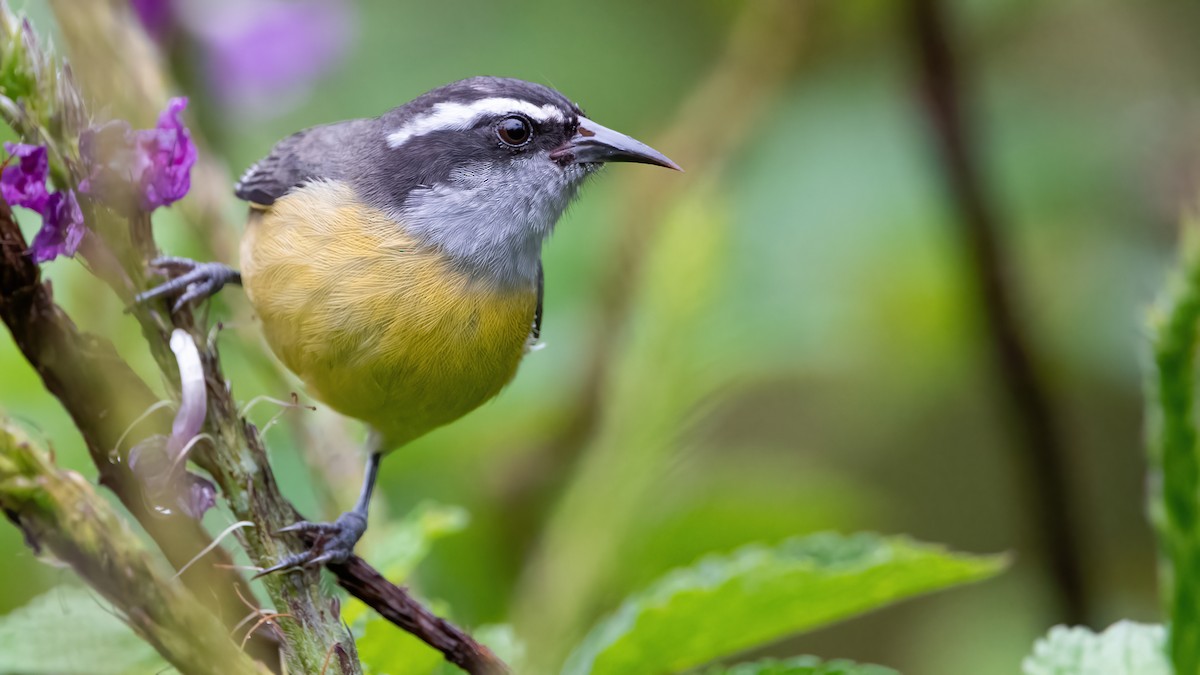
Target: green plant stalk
[117, 251]
[40, 100]
[107, 45]
[239, 464]
[1174, 457]
[109, 404]
[59, 511]
[103, 35]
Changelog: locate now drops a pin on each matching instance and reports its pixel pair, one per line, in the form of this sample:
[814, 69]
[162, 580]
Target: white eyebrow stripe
[449, 115]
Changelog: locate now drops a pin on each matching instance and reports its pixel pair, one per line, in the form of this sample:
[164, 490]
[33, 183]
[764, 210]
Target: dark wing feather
[320, 152]
[272, 176]
[537, 313]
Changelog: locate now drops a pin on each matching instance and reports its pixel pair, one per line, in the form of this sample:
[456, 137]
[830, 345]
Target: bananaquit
[395, 262]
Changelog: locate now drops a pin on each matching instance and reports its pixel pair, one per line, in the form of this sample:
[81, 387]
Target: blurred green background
[802, 350]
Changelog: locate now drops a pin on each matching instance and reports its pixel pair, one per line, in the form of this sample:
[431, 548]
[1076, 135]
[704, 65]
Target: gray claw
[305, 526]
[197, 291]
[170, 262]
[327, 557]
[196, 281]
[289, 562]
[331, 542]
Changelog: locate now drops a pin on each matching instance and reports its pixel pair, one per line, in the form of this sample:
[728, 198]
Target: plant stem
[105, 400]
[57, 510]
[104, 39]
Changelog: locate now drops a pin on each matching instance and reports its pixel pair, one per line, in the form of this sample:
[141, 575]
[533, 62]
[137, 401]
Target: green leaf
[1174, 465]
[801, 665]
[384, 649]
[401, 545]
[1124, 648]
[68, 630]
[723, 605]
[504, 643]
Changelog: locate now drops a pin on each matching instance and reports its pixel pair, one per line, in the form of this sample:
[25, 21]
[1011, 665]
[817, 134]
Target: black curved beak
[595, 143]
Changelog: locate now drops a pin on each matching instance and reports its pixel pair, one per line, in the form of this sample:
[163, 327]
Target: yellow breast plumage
[376, 326]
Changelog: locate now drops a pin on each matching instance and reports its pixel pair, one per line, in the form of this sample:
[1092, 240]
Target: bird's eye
[514, 131]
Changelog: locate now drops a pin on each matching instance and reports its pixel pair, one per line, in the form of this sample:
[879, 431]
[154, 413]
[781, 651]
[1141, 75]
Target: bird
[395, 262]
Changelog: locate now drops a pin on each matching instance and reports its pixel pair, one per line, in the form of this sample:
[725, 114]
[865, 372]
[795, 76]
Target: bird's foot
[194, 281]
[330, 542]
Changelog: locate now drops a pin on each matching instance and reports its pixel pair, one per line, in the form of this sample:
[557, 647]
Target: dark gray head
[483, 168]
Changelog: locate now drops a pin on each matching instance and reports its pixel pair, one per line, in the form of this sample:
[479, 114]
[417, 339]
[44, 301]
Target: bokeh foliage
[801, 350]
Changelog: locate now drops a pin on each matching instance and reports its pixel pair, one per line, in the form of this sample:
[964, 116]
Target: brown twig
[396, 605]
[1040, 450]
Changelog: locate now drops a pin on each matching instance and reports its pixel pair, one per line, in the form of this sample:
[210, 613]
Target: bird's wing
[533, 341]
[537, 313]
[319, 152]
[272, 176]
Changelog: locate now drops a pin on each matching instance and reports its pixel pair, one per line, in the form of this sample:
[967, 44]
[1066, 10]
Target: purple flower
[23, 183]
[142, 169]
[62, 228]
[159, 461]
[263, 56]
[166, 483]
[193, 398]
[108, 152]
[259, 56]
[156, 16]
[201, 496]
[168, 155]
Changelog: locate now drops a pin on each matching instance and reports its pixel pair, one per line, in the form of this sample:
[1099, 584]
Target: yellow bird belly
[376, 327]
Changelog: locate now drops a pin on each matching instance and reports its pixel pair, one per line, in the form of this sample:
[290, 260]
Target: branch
[236, 457]
[105, 400]
[59, 511]
[396, 605]
[110, 49]
[1040, 451]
